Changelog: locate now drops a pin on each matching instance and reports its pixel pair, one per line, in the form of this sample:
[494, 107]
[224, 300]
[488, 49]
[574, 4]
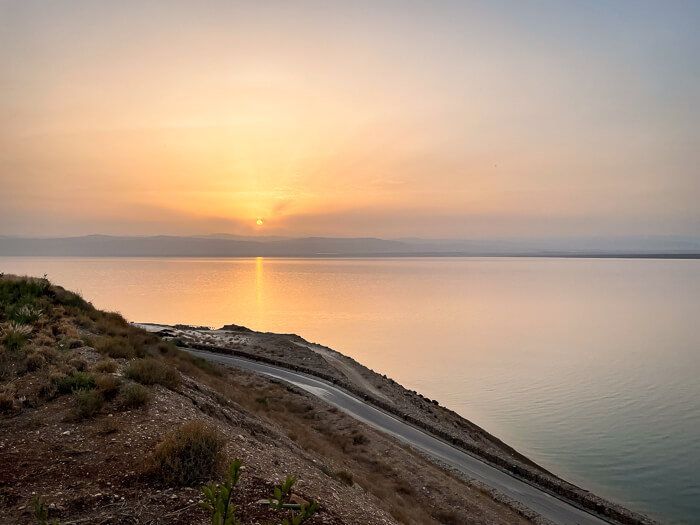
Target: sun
[259, 222]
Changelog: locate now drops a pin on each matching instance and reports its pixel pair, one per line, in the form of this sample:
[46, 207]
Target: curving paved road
[546, 505]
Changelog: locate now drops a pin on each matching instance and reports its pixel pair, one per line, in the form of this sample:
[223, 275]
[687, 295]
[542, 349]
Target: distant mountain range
[224, 245]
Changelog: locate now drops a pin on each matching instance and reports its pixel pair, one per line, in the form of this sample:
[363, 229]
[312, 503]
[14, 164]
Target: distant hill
[223, 245]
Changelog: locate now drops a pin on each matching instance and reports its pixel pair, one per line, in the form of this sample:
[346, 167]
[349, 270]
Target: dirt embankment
[85, 399]
[292, 351]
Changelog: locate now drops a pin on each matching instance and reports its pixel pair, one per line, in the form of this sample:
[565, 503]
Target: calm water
[590, 367]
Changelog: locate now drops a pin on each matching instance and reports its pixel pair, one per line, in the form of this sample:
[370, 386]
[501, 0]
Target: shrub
[76, 381]
[35, 361]
[7, 402]
[112, 324]
[345, 477]
[78, 363]
[87, 402]
[23, 314]
[134, 396]
[152, 372]
[190, 453]
[108, 385]
[14, 340]
[47, 352]
[116, 347]
[25, 290]
[106, 365]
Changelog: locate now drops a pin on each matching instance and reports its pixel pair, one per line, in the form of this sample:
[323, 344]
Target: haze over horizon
[435, 120]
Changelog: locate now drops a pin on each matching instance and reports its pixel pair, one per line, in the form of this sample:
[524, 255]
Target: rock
[298, 500]
[66, 433]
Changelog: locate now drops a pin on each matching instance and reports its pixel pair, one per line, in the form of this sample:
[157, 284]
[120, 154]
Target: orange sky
[384, 119]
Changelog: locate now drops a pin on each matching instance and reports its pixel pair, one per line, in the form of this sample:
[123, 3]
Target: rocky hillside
[103, 422]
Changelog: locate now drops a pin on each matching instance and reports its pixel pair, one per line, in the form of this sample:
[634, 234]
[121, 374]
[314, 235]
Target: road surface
[548, 506]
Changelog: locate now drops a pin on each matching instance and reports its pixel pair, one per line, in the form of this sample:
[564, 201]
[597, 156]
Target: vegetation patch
[134, 395]
[151, 372]
[35, 361]
[191, 453]
[108, 385]
[108, 366]
[87, 402]
[76, 381]
[116, 347]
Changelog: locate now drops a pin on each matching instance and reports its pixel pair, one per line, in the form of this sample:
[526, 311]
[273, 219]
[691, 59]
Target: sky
[382, 118]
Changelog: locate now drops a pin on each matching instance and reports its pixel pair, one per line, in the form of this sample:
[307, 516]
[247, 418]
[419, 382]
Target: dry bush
[191, 453]
[35, 361]
[109, 426]
[7, 402]
[116, 347]
[152, 372]
[345, 477]
[108, 385]
[88, 402]
[134, 395]
[48, 352]
[78, 363]
[108, 366]
[112, 324]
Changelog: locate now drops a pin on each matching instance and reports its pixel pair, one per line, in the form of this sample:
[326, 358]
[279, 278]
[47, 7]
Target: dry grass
[34, 361]
[134, 395]
[152, 372]
[108, 366]
[87, 403]
[191, 453]
[316, 430]
[108, 385]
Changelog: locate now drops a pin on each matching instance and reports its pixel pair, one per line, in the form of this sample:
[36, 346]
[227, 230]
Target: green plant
[16, 335]
[305, 513]
[24, 314]
[77, 381]
[152, 372]
[281, 501]
[87, 402]
[41, 512]
[280, 493]
[134, 395]
[190, 453]
[219, 505]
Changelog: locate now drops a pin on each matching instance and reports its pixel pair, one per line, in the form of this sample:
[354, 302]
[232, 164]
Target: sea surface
[591, 367]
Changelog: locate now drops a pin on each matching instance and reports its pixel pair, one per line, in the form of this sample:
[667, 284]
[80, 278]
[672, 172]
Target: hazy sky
[439, 119]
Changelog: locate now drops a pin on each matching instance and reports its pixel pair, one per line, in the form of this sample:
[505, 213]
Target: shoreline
[293, 352]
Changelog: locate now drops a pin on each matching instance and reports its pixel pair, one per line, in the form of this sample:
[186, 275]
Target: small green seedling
[304, 514]
[281, 493]
[219, 497]
[41, 512]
